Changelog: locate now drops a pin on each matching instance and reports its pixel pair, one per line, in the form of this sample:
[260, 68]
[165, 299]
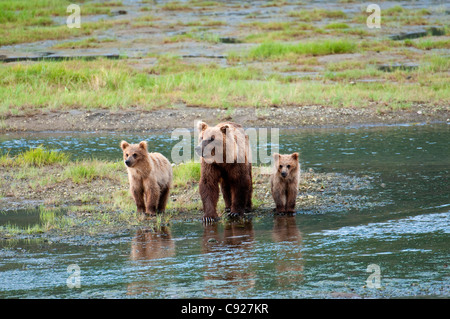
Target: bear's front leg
[240, 187]
[279, 197]
[291, 196]
[138, 196]
[226, 192]
[151, 197]
[239, 201]
[209, 193]
[151, 202]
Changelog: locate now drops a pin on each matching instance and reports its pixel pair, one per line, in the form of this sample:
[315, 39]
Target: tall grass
[435, 63]
[86, 171]
[428, 44]
[81, 173]
[115, 85]
[186, 173]
[35, 157]
[275, 50]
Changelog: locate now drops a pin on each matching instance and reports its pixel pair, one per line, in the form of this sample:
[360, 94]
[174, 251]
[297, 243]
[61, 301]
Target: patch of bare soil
[184, 117]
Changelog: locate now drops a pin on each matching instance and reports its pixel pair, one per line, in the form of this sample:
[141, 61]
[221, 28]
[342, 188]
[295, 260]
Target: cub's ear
[201, 126]
[224, 128]
[294, 156]
[124, 145]
[276, 156]
[143, 145]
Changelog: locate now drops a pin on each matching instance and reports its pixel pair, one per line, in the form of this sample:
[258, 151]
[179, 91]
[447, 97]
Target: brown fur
[150, 177]
[285, 188]
[232, 169]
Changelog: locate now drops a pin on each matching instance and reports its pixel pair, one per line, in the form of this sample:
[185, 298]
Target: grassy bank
[301, 56]
[27, 21]
[92, 196]
[27, 88]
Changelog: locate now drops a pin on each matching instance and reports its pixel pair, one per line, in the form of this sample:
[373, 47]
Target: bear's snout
[284, 174]
[128, 163]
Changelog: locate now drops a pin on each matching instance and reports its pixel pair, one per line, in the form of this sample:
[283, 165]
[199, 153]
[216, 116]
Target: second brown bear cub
[284, 182]
[150, 177]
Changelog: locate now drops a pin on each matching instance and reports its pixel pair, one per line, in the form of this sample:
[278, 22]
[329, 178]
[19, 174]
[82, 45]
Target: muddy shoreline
[182, 116]
[87, 210]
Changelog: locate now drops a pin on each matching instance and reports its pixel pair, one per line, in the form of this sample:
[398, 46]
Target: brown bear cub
[284, 182]
[150, 177]
[225, 161]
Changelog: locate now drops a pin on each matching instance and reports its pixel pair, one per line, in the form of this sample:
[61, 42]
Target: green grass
[337, 25]
[435, 64]
[47, 215]
[115, 85]
[277, 50]
[176, 6]
[81, 173]
[87, 171]
[354, 74]
[399, 16]
[317, 14]
[186, 173]
[272, 26]
[398, 10]
[91, 42]
[204, 3]
[189, 5]
[35, 157]
[201, 36]
[277, 31]
[428, 44]
[29, 21]
[19, 34]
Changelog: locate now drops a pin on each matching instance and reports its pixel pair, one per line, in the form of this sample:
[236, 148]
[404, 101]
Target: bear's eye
[134, 155]
[126, 155]
[212, 138]
[289, 166]
[281, 166]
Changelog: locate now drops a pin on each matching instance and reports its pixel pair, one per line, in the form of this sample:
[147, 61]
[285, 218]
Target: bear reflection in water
[288, 261]
[234, 255]
[228, 254]
[149, 244]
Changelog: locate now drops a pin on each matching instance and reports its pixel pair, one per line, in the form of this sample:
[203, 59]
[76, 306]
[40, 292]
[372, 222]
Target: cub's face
[286, 165]
[133, 154]
[210, 143]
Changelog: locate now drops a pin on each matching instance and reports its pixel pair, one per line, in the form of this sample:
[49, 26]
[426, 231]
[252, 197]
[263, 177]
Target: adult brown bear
[225, 160]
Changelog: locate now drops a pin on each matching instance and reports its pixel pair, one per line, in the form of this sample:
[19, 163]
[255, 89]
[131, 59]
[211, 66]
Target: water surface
[310, 255]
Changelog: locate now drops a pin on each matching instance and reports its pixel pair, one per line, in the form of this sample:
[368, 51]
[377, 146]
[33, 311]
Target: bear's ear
[124, 145]
[201, 126]
[294, 156]
[276, 156]
[224, 128]
[143, 145]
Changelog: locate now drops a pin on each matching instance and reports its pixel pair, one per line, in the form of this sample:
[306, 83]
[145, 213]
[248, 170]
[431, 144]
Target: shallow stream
[396, 248]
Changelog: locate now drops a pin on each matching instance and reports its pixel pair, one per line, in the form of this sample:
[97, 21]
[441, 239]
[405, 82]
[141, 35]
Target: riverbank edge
[100, 205]
[182, 116]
